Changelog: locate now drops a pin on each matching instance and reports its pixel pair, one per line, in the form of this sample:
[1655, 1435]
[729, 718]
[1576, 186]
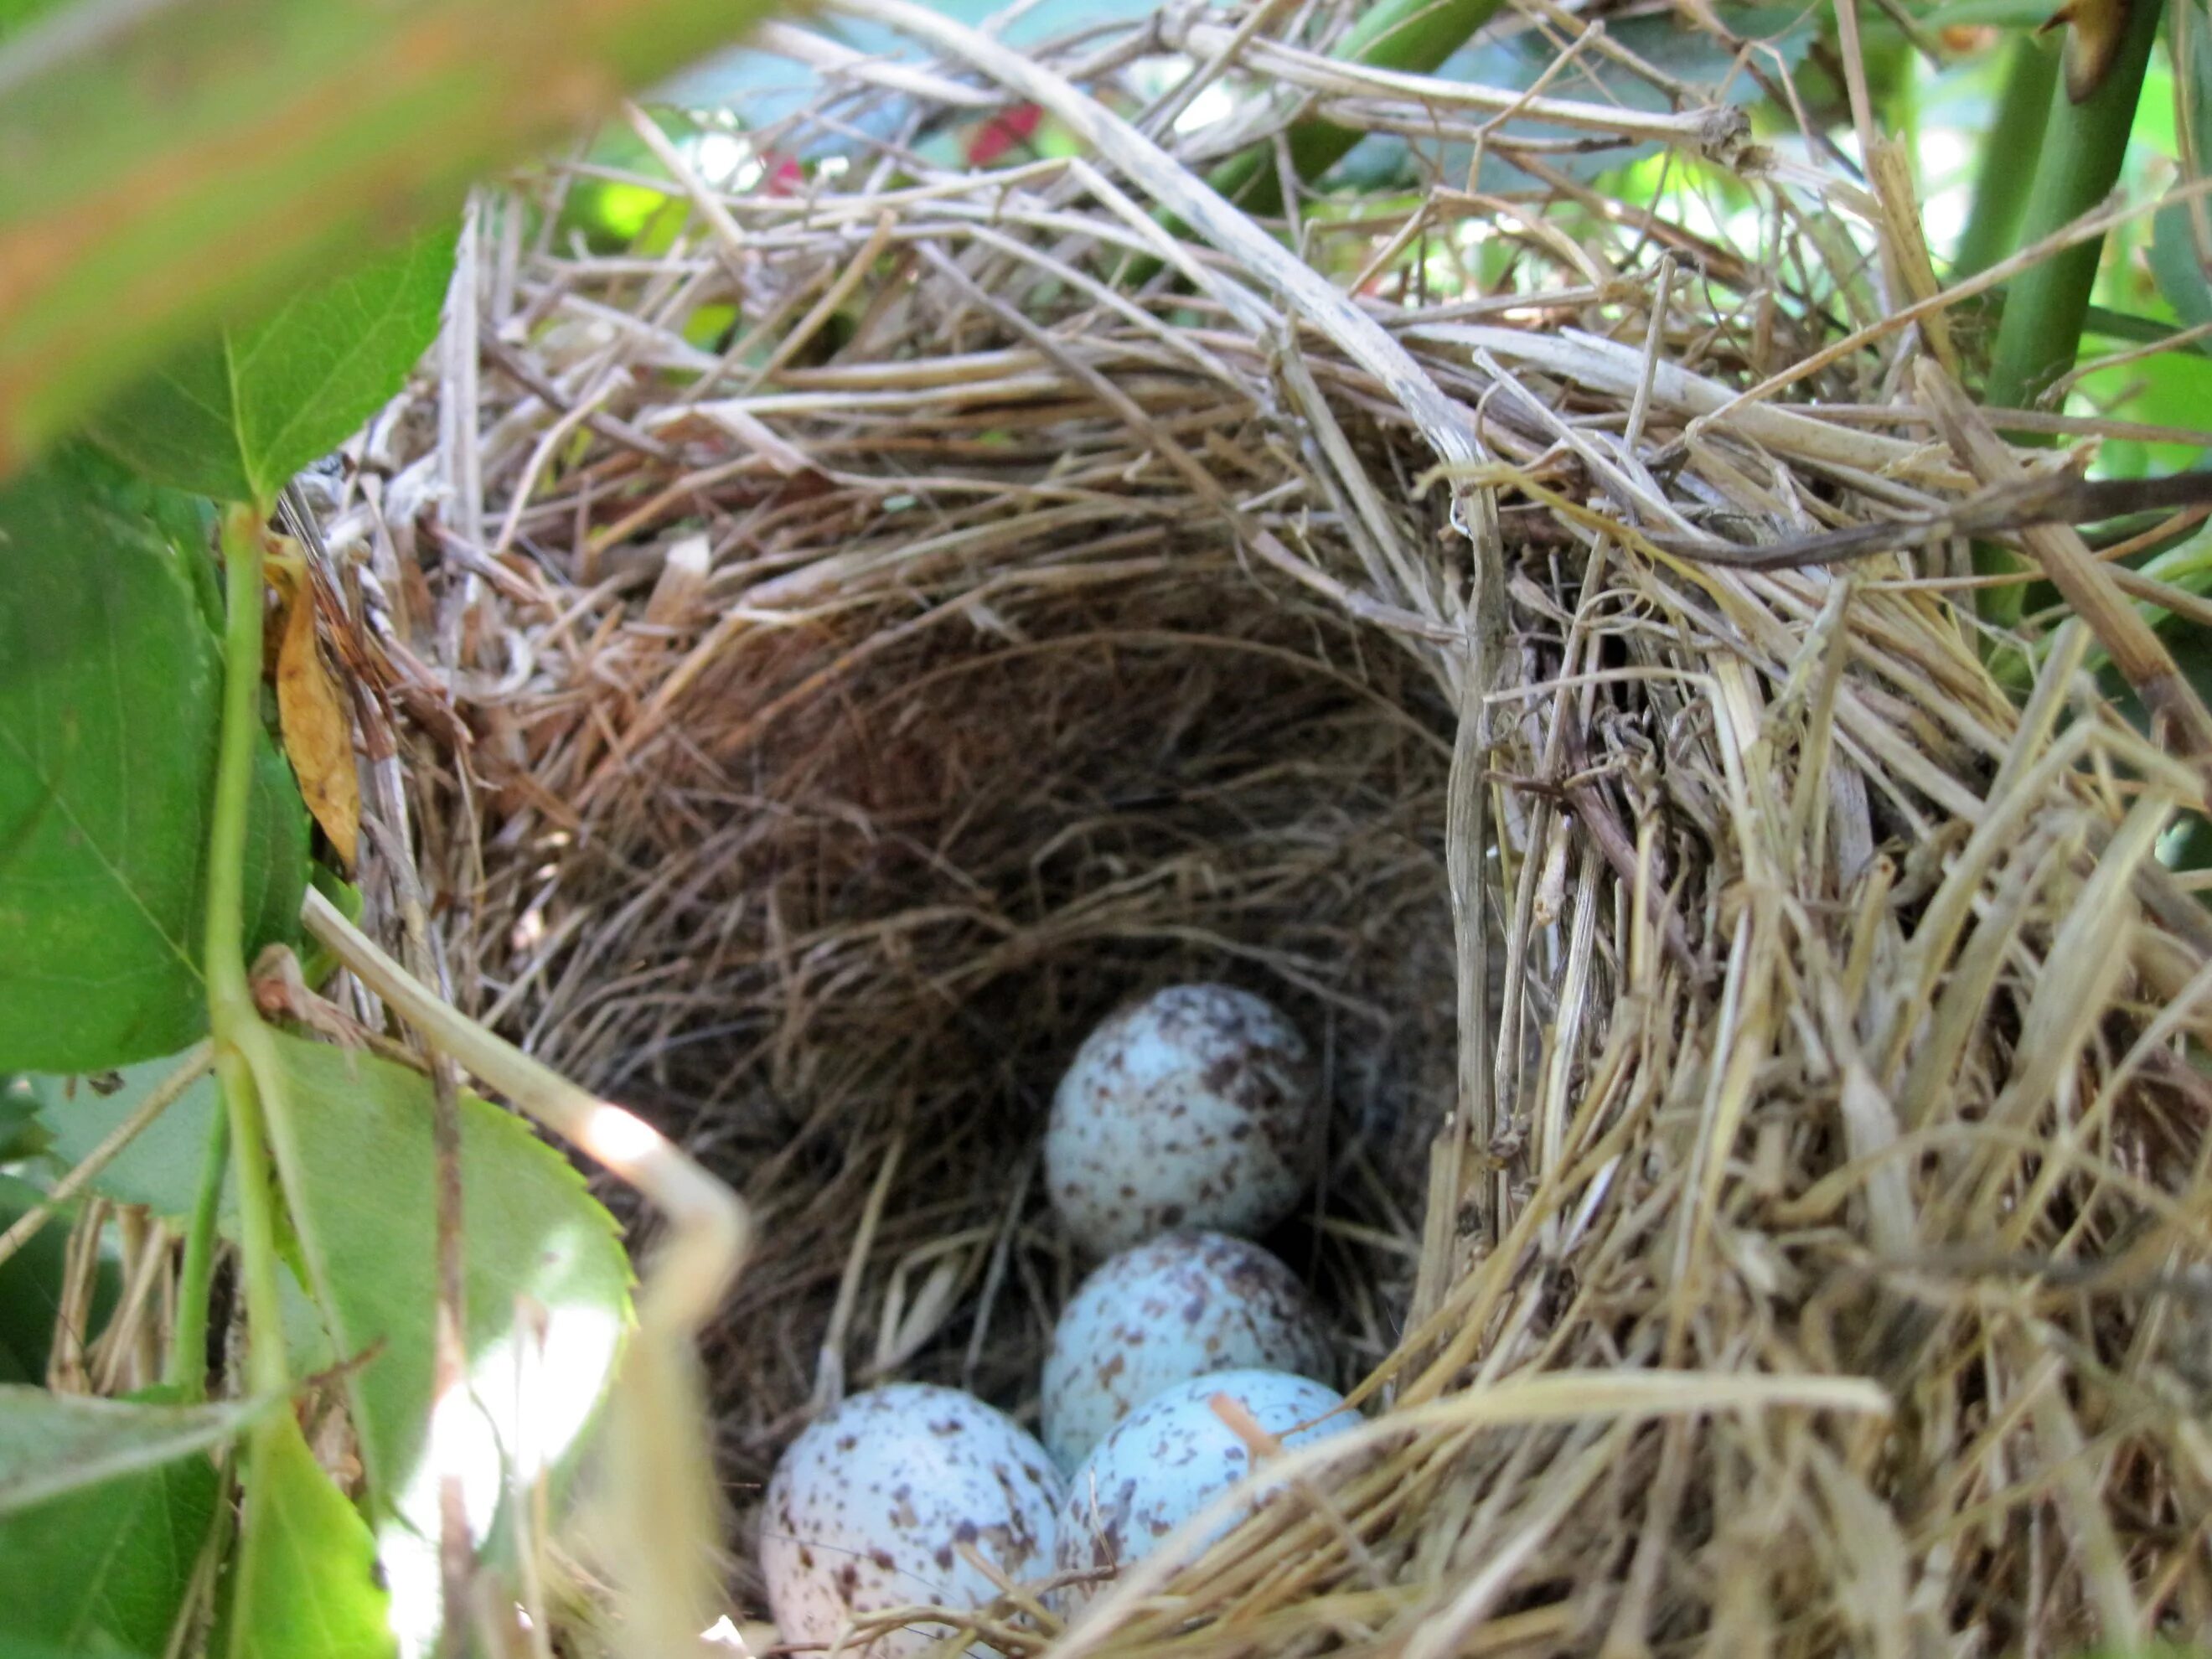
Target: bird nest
[834, 651]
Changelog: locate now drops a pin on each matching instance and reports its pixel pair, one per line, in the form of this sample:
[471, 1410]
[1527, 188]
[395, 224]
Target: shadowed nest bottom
[1768, 1184]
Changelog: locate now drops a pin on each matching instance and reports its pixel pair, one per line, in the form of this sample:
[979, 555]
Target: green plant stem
[2083, 148]
[187, 1367]
[241, 1041]
[2046, 306]
[2005, 170]
[234, 1022]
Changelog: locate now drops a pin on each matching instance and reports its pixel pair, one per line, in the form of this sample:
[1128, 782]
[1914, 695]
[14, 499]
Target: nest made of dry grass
[1768, 1202]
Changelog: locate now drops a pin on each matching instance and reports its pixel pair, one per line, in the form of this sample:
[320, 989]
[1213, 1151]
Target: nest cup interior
[834, 890]
[840, 655]
[979, 843]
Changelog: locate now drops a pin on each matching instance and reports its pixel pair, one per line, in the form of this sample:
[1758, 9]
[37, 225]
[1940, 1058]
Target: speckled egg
[1170, 1458]
[868, 1507]
[1178, 1306]
[1197, 1106]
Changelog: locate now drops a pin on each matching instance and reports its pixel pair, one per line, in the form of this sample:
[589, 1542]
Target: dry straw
[1768, 1204]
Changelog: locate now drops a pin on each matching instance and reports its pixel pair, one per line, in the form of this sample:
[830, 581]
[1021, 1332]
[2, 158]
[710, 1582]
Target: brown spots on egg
[871, 1508]
[1164, 1312]
[1199, 1106]
[1170, 1461]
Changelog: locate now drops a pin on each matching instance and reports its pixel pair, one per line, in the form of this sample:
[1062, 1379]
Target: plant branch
[240, 1039]
[2083, 147]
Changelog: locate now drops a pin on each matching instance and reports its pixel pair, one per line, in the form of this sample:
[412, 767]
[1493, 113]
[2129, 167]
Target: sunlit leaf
[305, 1585]
[547, 1281]
[16, 13]
[2169, 388]
[109, 691]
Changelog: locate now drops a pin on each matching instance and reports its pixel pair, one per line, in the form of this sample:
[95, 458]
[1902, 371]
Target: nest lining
[1764, 1159]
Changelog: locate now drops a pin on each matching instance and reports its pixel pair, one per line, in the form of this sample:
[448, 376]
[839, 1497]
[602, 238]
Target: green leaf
[305, 1585]
[2181, 274]
[15, 15]
[53, 1444]
[22, 1135]
[186, 165]
[236, 414]
[106, 1568]
[353, 1147]
[2167, 389]
[109, 693]
[161, 1167]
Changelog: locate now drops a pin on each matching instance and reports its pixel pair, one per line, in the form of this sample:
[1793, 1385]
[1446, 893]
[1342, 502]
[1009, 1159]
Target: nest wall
[1767, 1174]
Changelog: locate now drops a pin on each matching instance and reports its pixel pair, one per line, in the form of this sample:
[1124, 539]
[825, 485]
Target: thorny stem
[2083, 147]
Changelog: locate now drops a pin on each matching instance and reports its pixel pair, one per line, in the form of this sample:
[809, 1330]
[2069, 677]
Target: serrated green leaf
[105, 1569]
[305, 1585]
[22, 1135]
[353, 1147]
[109, 705]
[234, 415]
[54, 1445]
[161, 1167]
